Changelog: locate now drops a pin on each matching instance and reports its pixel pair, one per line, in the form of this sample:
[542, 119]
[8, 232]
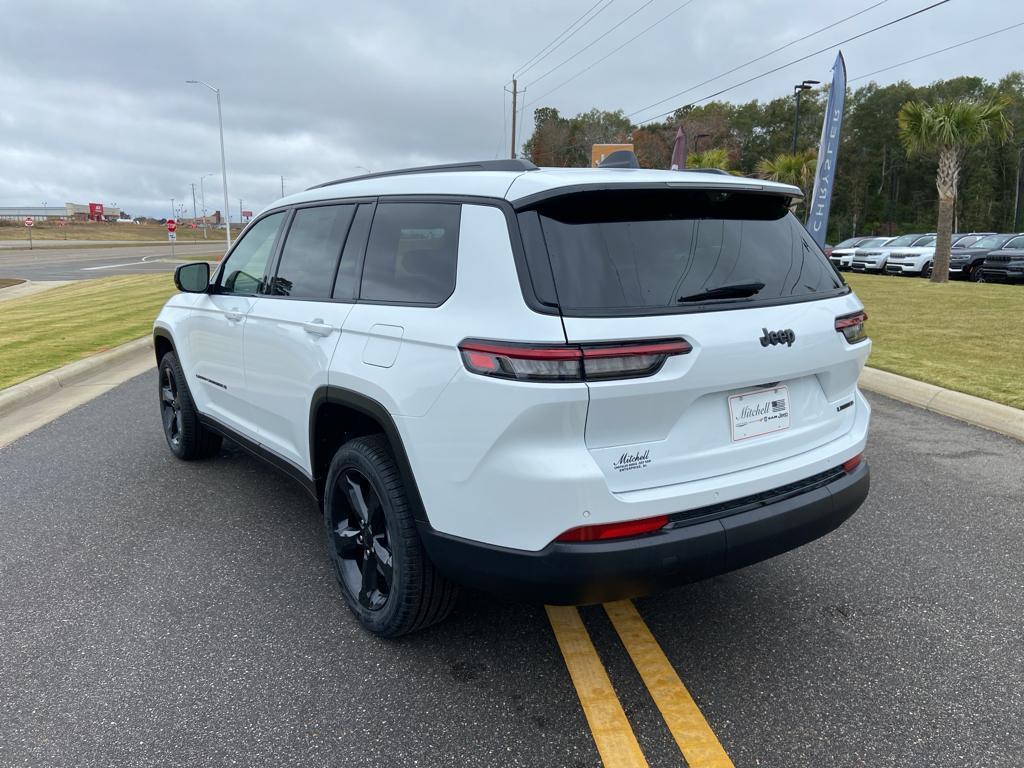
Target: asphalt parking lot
[160, 613]
[83, 263]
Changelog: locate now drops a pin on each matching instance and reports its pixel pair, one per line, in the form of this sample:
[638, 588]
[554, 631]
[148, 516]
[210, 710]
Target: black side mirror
[193, 278]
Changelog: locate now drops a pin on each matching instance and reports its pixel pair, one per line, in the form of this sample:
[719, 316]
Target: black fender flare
[369, 407]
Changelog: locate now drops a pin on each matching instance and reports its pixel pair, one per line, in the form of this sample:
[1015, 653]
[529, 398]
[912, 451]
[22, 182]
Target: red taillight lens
[564, 362]
[614, 530]
[852, 326]
[851, 464]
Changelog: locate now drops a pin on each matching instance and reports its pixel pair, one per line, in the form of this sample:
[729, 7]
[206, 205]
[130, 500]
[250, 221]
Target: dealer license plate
[762, 412]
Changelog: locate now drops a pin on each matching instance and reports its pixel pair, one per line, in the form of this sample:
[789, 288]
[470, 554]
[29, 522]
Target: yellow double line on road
[613, 735]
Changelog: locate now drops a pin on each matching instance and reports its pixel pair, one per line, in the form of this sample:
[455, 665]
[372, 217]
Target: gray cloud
[93, 103]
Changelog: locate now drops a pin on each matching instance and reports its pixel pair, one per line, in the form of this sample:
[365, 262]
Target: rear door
[736, 276]
[292, 330]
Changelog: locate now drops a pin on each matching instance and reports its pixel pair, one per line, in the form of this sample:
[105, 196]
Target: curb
[47, 383]
[974, 410]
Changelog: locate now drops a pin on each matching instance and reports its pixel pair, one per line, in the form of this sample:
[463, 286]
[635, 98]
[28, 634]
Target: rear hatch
[736, 276]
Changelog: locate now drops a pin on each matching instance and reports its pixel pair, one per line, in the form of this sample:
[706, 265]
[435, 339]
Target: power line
[616, 50]
[540, 55]
[759, 58]
[797, 61]
[593, 42]
[940, 50]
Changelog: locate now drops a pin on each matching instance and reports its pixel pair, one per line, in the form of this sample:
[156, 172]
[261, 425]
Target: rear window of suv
[669, 251]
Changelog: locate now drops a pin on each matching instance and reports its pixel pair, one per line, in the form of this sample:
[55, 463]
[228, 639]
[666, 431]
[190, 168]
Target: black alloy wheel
[386, 578]
[977, 276]
[170, 407]
[187, 438]
[927, 271]
[362, 547]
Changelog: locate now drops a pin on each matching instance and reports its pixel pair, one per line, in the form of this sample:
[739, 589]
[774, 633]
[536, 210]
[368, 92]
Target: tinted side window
[1017, 242]
[346, 285]
[243, 272]
[310, 254]
[412, 253]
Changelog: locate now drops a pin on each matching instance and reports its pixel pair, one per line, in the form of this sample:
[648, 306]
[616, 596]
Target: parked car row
[975, 256]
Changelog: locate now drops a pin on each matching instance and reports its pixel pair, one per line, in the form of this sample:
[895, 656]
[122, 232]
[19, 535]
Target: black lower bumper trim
[594, 572]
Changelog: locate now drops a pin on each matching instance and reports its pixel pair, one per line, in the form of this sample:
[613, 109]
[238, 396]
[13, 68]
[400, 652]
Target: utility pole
[515, 96]
[282, 186]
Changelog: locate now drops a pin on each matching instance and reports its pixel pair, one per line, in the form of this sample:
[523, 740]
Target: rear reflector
[852, 326]
[851, 464]
[566, 362]
[614, 530]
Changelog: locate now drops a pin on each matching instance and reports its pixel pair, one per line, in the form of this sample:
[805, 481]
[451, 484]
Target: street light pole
[202, 199]
[223, 159]
[806, 85]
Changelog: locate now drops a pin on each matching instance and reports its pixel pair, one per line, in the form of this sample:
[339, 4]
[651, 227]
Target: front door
[215, 328]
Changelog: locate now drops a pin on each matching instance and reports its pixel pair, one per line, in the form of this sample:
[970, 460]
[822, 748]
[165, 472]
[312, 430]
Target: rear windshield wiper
[734, 291]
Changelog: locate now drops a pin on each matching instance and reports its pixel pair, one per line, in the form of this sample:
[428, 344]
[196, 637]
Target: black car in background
[965, 263]
[1005, 265]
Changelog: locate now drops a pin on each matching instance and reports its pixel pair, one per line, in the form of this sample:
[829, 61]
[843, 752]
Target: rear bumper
[582, 573]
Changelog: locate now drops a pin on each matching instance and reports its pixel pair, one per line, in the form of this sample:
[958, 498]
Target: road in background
[82, 263]
[156, 612]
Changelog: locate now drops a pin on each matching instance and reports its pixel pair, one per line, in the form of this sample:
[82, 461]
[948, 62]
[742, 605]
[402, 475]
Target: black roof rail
[708, 170]
[518, 164]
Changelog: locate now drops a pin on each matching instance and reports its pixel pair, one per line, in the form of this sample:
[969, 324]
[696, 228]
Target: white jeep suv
[570, 385]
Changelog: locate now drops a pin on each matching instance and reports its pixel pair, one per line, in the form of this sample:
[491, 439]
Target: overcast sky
[94, 105]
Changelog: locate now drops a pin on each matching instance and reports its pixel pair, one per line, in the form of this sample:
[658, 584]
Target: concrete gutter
[974, 410]
[53, 381]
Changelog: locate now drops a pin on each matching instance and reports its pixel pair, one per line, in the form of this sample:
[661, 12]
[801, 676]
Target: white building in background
[70, 211]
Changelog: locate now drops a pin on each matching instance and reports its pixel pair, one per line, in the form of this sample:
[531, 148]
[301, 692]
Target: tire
[384, 573]
[186, 437]
[927, 271]
[977, 276]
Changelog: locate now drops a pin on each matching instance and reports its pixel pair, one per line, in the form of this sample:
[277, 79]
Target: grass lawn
[45, 231]
[45, 331]
[968, 337]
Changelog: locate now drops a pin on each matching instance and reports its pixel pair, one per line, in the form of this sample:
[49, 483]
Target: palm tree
[795, 169]
[709, 158]
[949, 128]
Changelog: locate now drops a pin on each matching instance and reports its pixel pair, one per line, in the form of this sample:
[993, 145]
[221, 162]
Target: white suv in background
[919, 260]
[874, 259]
[571, 385]
[842, 255]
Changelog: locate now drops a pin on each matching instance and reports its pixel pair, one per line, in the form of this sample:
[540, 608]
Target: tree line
[879, 188]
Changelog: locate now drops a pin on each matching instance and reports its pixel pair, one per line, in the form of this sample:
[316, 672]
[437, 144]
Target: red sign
[246, 214]
[29, 222]
[95, 211]
[171, 225]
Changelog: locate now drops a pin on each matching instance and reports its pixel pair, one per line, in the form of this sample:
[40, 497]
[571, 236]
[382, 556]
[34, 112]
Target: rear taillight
[567, 362]
[852, 326]
[615, 530]
[851, 464]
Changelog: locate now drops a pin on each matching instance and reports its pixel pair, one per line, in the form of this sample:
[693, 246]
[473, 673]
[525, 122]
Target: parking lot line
[613, 735]
[691, 731]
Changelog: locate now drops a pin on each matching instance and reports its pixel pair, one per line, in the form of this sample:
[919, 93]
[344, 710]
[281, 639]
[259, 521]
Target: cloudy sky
[94, 105]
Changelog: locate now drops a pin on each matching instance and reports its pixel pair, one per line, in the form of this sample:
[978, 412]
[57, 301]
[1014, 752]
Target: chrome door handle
[233, 316]
[318, 327]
